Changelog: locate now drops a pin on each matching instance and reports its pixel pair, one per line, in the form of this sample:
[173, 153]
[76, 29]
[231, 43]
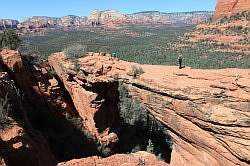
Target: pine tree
[9, 39]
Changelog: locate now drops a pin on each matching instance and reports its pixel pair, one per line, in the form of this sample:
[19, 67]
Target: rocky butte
[229, 28]
[230, 7]
[206, 111]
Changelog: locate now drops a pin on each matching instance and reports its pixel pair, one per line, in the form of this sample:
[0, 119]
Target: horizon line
[126, 13]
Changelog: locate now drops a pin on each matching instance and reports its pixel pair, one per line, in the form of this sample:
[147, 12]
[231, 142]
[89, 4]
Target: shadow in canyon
[67, 139]
[63, 131]
[139, 130]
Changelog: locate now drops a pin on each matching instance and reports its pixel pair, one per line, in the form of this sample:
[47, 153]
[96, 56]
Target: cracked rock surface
[206, 111]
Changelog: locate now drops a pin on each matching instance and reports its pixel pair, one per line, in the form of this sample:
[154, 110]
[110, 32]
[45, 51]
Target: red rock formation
[134, 159]
[34, 80]
[19, 145]
[12, 61]
[95, 103]
[18, 148]
[222, 31]
[229, 7]
[207, 111]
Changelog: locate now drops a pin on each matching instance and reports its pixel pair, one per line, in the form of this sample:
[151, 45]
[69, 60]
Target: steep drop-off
[20, 143]
[206, 111]
[46, 129]
[48, 108]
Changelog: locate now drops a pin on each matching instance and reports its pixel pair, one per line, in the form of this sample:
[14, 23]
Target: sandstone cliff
[45, 103]
[20, 144]
[34, 80]
[95, 103]
[229, 7]
[206, 111]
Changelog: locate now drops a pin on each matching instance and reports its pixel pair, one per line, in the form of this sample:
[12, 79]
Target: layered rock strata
[206, 111]
[35, 80]
[96, 102]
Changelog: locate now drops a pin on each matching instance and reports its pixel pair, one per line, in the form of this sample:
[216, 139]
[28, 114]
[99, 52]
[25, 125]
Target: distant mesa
[106, 15]
[106, 18]
[8, 23]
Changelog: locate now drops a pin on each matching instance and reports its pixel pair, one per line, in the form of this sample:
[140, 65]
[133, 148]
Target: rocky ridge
[207, 117]
[107, 18]
[23, 144]
[149, 18]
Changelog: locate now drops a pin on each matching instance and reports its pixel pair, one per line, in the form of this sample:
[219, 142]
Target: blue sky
[21, 9]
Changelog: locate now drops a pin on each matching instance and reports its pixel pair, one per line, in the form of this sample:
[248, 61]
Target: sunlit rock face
[206, 111]
[230, 7]
[105, 15]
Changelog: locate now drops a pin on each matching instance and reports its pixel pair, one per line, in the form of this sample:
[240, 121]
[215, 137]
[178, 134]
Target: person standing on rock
[180, 59]
[114, 54]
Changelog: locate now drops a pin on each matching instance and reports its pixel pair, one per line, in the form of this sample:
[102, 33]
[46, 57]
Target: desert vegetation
[11, 103]
[245, 15]
[4, 111]
[155, 45]
[9, 39]
[75, 51]
[135, 71]
[141, 131]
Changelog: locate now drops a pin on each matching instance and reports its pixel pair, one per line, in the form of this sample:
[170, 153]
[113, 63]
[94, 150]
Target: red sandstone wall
[229, 7]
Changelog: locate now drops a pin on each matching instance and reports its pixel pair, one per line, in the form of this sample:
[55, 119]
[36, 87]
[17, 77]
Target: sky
[23, 9]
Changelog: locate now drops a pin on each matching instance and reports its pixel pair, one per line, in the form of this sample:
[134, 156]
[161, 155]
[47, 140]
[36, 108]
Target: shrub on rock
[75, 51]
[135, 72]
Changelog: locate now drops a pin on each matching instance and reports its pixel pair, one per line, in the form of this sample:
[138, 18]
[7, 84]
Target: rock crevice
[204, 123]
